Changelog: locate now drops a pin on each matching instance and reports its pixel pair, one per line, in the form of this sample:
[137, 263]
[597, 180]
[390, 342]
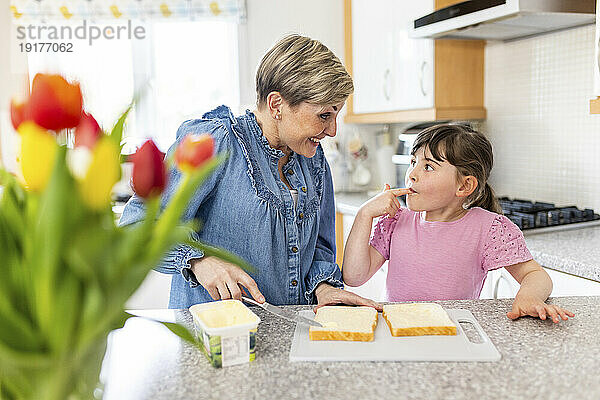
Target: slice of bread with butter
[344, 323]
[403, 319]
[416, 319]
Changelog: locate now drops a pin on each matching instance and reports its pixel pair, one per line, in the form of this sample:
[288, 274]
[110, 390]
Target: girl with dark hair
[450, 235]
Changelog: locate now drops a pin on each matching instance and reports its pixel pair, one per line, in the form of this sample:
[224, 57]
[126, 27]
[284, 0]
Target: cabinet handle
[422, 78]
[501, 277]
[386, 79]
[496, 287]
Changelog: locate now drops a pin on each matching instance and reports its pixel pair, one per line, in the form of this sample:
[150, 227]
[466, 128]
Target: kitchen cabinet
[595, 103]
[500, 285]
[153, 293]
[391, 71]
[400, 79]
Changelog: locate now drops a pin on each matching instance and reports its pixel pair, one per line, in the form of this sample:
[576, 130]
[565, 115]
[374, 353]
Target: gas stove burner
[528, 215]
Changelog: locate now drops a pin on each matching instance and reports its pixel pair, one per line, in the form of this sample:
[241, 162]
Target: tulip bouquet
[67, 267]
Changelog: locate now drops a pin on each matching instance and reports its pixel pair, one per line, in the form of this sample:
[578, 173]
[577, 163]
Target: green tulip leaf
[116, 134]
[181, 331]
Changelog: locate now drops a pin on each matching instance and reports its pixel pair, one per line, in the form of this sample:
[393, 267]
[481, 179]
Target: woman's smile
[315, 141]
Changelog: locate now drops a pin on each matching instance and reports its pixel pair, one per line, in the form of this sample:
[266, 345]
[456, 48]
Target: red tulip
[193, 151]
[148, 177]
[18, 113]
[54, 103]
[87, 132]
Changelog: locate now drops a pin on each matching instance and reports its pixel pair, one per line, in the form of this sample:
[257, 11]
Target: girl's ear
[468, 186]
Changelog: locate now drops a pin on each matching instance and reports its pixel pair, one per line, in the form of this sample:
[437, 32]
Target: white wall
[546, 143]
[12, 80]
[269, 20]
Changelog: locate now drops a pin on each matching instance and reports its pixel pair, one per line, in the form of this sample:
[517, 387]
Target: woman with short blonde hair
[302, 70]
[271, 202]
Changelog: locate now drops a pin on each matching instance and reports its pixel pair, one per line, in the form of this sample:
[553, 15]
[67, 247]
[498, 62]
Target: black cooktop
[528, 214]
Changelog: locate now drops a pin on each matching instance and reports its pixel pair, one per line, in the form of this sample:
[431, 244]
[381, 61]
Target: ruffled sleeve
[505, 245]
[382, 234]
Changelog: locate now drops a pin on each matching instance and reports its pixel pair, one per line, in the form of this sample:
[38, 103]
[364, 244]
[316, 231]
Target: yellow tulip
[38, 153]
[104, 171]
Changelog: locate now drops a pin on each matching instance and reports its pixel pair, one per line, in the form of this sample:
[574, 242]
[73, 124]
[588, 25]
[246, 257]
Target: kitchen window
[183, 68]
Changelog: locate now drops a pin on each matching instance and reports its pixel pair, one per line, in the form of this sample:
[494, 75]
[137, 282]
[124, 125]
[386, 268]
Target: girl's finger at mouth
[401, 192]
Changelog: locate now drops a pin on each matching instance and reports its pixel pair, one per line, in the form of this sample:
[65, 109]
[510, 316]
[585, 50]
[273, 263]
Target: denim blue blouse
[245, 207]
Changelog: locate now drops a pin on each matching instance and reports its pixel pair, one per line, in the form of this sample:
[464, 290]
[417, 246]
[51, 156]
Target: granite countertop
[540, 360]
[574, 251]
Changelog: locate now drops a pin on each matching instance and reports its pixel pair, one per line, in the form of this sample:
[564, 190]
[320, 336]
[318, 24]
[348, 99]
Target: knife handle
[251, 301]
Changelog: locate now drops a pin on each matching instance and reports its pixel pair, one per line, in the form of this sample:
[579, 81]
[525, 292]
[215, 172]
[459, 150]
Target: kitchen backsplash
[546, 143]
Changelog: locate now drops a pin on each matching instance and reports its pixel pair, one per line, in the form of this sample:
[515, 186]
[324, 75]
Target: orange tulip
[18, 113]
[87, 132]
[194, 150]
[54, 103]
[148, 177]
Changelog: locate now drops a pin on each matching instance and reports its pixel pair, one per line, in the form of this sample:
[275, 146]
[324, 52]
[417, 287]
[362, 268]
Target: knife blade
[283, 313]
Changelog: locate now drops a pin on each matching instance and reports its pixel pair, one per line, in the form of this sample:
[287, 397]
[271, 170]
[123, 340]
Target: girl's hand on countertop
[328, 295]
[534, 307]
[385, 202]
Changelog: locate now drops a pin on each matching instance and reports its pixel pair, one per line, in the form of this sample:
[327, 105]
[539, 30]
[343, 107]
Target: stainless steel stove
[536, 217]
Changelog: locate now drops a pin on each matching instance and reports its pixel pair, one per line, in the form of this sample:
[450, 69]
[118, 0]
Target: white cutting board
[386, 347]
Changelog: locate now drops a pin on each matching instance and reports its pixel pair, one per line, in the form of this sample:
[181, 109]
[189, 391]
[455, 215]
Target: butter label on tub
[226, 330]
[235, 349]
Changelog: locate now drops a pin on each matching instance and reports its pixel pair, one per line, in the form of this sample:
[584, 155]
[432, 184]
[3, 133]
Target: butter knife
[283, 313]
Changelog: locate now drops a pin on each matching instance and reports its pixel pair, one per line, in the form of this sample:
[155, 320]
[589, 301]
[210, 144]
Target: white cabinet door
[374, 288]
[507, 285]
[569, 285]
[597, 54]
[154, 292]
[347, 221]
[487, 291]
[372, 55]
[501, 285]
[414, 58]
[391, 71]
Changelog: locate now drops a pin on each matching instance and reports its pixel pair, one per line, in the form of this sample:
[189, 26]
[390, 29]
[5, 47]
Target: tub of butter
[227, 331]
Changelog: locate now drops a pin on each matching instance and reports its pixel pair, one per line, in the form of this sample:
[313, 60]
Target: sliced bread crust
[362, 335]
[340, 335]
[418, 330]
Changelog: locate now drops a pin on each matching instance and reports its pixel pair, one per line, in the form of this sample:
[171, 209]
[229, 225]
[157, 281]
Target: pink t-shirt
[433, 260]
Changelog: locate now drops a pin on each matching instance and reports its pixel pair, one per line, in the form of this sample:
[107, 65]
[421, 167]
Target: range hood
[504, 20]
